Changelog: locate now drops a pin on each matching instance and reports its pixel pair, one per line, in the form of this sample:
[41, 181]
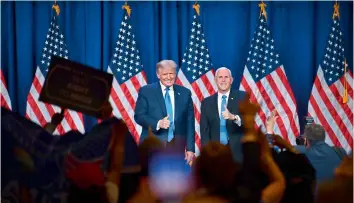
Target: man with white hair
[167, 109]
[219, 119]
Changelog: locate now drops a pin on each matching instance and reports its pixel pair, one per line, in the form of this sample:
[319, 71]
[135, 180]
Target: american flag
[128, 73]
[265, 81]
[196, 72]
[5, 98]
[40, 112]
[326, 104]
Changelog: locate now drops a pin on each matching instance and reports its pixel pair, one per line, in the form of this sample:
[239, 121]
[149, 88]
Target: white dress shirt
[172, 97]
[238, 119]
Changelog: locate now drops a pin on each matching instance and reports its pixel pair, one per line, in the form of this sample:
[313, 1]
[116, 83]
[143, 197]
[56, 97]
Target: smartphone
[170, 176]
[309, 120]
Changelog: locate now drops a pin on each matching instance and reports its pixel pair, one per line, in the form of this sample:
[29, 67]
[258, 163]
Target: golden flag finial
[263, 9]
[336, 11]
[196, 7]
[56, 8]
[127, 8]
[345, 93]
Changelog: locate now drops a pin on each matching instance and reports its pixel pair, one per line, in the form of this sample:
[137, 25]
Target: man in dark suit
[167, 109]
[219, 119]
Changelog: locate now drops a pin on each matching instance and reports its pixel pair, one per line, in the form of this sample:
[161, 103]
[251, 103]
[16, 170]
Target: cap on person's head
[315, 132]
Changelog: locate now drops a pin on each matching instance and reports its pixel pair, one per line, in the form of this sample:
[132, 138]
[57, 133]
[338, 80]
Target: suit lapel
[177, 95]
[215, 115]
[231, 102]
[214, 108]
[160, 98]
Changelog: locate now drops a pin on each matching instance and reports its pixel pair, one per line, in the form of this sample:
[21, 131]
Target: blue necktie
[223, 130]
[168, 104]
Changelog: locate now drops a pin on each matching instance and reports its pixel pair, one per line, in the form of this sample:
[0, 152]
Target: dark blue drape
[300, 31]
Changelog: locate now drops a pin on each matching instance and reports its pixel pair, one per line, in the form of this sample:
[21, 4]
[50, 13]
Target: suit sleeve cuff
[238, 120]
[158, 126]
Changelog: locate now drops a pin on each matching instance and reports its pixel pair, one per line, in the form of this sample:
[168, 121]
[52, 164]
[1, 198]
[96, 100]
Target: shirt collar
[163, 87]
[227, 95]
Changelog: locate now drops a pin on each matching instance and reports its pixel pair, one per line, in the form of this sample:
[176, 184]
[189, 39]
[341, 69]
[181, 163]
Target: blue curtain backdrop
[300, 31]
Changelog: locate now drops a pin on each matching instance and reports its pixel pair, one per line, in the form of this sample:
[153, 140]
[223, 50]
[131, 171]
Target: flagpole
[57, 11]
[127, 8]
[345, 93]
[336, 11]
[196, 7]
[263, 11]
[56, 8]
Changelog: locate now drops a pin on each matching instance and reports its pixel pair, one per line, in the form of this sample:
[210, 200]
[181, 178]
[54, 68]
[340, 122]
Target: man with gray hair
[167, 109]
[219, 119]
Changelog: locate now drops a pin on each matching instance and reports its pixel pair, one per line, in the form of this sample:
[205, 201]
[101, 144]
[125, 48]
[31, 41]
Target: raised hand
[58, 117]
[248, 111]
[271, 121]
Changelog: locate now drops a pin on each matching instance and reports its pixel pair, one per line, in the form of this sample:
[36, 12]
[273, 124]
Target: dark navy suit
[210, 122]
[150, 108]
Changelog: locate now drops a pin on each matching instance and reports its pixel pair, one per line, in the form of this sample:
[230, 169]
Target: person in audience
[299, 173]
[323, 157]
[167, 109]
[220, 120]
[219, 176]
[130, 173]
[345, 168]
[335, 190]
[88, 182]
[56, 120]
[149, 147]
[339, 188]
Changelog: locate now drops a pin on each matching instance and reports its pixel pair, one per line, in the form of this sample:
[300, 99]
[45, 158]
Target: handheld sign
[76, 86]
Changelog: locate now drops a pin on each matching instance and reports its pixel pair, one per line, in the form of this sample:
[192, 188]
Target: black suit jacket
[210, 122]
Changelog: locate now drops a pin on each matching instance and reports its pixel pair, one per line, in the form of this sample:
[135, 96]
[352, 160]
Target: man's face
[166, 75]
[223, 80]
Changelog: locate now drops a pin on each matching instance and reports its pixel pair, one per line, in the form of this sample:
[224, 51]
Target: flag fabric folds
[40, 112]
[128, 73]
[331, 99]
[5, 98]
[264, 79]
[196, 72]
